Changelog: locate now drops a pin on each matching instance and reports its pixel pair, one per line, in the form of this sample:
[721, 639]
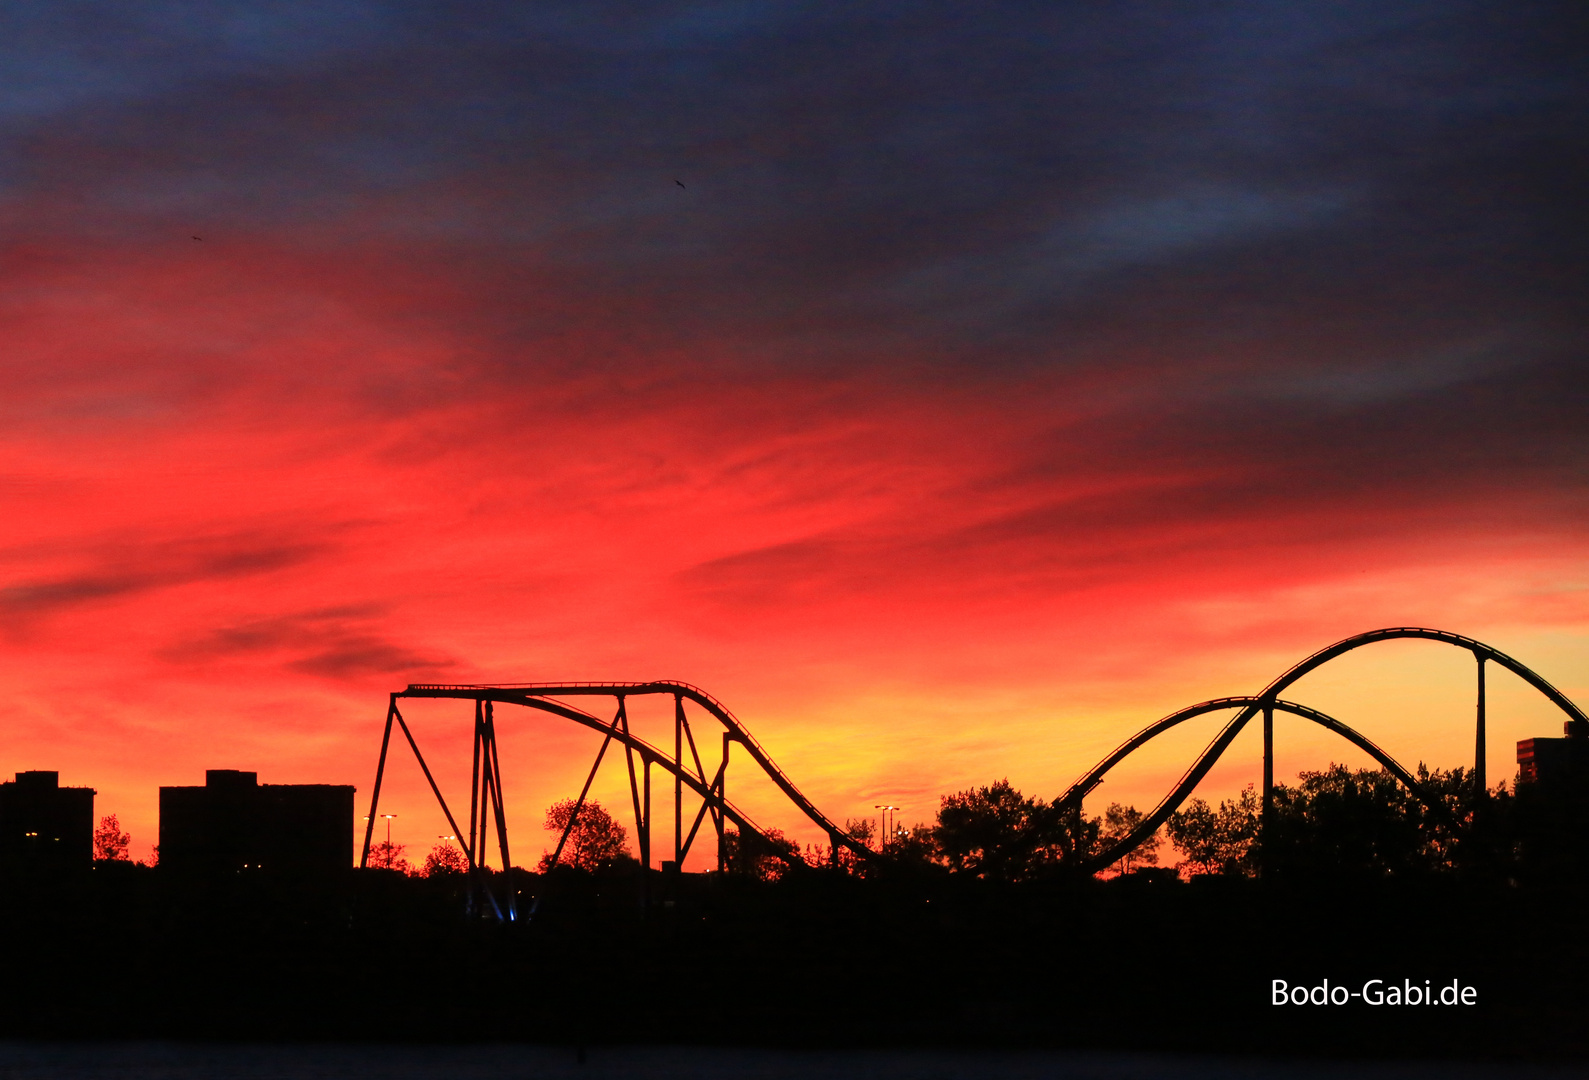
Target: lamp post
[388, 818]
[885, 808]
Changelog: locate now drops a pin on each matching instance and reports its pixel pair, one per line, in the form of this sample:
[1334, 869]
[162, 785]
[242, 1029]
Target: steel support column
[494, 762]
[678, 782]
[1478, 748]
[645, 839]
[488, 801]
[1268, 760]
[1268, 783]
[722, 800]
[474, 787]
[472, 851]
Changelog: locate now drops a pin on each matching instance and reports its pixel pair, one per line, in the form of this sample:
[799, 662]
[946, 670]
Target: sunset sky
[949, 389]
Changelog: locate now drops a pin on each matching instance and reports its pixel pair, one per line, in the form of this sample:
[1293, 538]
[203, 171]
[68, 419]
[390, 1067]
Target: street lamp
[388, 818]
[885, 808]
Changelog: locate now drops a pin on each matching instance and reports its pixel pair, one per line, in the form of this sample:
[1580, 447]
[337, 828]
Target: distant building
[1555, 761]
[235, 824]
[43, 826]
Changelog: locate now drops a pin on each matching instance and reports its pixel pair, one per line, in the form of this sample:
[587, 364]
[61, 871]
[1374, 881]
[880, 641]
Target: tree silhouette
[765, 858]
[444, 859]
[859, 829]
[914, 844]
[1456, 836]
[596, 839]
[997, 833]
[1222, 841]
[1118, 823]
[1338, 822]
[110, 843]
[1076, 835]
[389, 856]
[1344, 823]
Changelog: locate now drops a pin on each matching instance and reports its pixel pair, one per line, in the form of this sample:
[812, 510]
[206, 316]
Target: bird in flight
[198, 238]
[681, 184]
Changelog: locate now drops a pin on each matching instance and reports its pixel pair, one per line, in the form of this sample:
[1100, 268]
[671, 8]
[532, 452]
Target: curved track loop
[1251, 706]
[540, 696]
[1477, 648]
[1217, 704]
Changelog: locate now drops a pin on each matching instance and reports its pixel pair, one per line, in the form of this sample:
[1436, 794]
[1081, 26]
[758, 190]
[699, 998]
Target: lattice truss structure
[690, 773]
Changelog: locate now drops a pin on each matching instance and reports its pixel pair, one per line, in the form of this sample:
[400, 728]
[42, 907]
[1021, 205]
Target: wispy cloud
[142, 566]
[340, 643]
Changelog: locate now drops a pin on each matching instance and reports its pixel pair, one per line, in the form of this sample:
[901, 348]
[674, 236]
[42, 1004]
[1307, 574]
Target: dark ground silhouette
[817, 959]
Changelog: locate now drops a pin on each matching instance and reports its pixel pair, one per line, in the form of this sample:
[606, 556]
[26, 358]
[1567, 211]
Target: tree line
[1342, 823]
[1335, 822]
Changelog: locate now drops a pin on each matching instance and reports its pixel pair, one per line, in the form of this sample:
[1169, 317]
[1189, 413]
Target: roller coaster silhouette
[486, 808]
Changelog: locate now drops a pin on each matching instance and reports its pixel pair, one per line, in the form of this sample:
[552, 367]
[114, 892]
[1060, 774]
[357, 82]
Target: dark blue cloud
[1010, 187]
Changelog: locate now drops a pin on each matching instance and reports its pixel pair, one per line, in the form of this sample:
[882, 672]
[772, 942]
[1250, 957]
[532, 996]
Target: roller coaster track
[486, 804]
[1268, 702]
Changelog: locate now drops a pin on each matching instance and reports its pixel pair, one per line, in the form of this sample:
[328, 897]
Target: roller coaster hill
[702, 726]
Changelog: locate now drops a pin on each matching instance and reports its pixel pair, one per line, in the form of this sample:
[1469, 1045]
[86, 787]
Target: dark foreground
[252, 1061]
[817, 962]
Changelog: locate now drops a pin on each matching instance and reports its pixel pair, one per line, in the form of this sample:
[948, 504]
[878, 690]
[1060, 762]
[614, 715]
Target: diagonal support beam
[375, 795]
[706, 804]
[700, 770]
[423, 768]
[580, 802]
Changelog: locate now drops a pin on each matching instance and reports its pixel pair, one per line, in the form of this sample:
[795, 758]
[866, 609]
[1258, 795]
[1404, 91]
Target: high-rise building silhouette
[234, 824]
[43, 826]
